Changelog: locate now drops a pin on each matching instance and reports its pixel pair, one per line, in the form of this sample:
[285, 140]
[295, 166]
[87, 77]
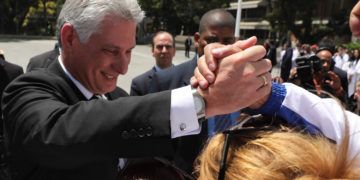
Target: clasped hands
[233, 77]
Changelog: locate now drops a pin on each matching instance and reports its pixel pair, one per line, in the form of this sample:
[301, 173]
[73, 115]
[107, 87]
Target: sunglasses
[242, 130]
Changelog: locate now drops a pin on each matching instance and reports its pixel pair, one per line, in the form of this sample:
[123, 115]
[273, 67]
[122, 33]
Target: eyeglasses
[241, 130]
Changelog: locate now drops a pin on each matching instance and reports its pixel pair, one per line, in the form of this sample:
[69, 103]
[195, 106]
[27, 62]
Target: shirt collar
[158, 69]
[82, 89]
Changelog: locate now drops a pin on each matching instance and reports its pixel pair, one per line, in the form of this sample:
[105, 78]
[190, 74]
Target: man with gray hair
[70, 121]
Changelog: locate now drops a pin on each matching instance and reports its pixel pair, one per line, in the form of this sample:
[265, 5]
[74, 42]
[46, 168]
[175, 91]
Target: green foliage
[12, 14]
[296, 16]
[28, 16]
[41, 18]
[353, 45]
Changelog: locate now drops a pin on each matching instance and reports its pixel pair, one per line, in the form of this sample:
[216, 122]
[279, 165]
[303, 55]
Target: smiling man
[70, 121]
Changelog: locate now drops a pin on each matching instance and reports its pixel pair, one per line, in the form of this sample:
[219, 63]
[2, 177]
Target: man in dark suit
[286, 64]
[43, 60]
[68, 121]
[271, 51]
[216, 25]
[163, 50]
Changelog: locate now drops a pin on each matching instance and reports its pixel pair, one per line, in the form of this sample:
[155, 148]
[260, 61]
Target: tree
[41, 19]
[29, 16]
[285, 14]
[12, 14]
[171, 15]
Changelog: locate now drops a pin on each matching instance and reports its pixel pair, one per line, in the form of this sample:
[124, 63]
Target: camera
[306, 67]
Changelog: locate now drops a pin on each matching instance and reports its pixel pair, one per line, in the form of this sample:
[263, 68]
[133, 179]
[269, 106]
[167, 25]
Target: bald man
[163, 50]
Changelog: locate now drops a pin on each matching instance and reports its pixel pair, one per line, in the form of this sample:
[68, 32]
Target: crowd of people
[325, 69]
[219, 115]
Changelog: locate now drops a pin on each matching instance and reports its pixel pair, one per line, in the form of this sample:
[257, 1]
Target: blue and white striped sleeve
[300, 107]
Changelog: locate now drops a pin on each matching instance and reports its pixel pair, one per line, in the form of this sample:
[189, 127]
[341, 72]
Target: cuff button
[182, 127]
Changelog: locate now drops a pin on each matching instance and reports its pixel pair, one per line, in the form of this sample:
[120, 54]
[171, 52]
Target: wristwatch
[199, 104]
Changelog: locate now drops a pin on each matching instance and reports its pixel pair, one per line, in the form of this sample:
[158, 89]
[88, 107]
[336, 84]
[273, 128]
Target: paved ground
[20, 51]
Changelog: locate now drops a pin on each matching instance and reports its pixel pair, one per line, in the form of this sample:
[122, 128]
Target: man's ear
[67, 35]
[196, 39]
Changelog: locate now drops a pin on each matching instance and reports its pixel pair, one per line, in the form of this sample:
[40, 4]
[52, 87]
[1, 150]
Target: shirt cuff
[183, 118]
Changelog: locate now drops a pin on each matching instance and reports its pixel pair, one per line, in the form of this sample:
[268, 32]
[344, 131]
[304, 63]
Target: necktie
[93, 97]
[98, 96]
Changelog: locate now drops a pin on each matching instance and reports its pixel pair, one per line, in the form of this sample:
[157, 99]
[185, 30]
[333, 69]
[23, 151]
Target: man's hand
[213, 53]
[241, 77]
[335, 83]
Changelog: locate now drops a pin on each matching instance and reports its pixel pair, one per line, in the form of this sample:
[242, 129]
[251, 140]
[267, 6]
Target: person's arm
[47, 119]
[240, 76]
[300, 107]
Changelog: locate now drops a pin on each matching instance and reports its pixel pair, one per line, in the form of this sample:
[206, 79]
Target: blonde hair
[277, 155]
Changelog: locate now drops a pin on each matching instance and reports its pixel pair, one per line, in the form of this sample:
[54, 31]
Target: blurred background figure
[305, 50]
[270, 47]
[352, 67]
[314, 48]
[288, 60]
[188, 43]
[43, 60]
[163, 50]
[341, 57]
[357, 98]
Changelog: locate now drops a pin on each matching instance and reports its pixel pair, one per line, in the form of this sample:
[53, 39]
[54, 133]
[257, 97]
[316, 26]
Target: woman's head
[356, 54]
[275, 155]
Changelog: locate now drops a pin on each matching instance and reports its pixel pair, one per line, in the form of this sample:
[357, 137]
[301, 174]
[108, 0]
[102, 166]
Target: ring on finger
[265, 81]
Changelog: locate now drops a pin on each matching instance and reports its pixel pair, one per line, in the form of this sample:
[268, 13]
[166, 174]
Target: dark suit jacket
[8, 72]
[271, 54]
[344, 83]
[141, 84]
[53, 132]
[176, 77]
[42, 60]
[286, 64]
[187, 147]
[343, 77]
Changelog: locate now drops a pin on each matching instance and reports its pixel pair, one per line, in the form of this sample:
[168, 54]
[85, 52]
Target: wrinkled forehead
[164, 37]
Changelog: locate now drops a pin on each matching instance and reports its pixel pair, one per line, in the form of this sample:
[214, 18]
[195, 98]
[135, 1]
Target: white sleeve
[326, 114]
[183, 118]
